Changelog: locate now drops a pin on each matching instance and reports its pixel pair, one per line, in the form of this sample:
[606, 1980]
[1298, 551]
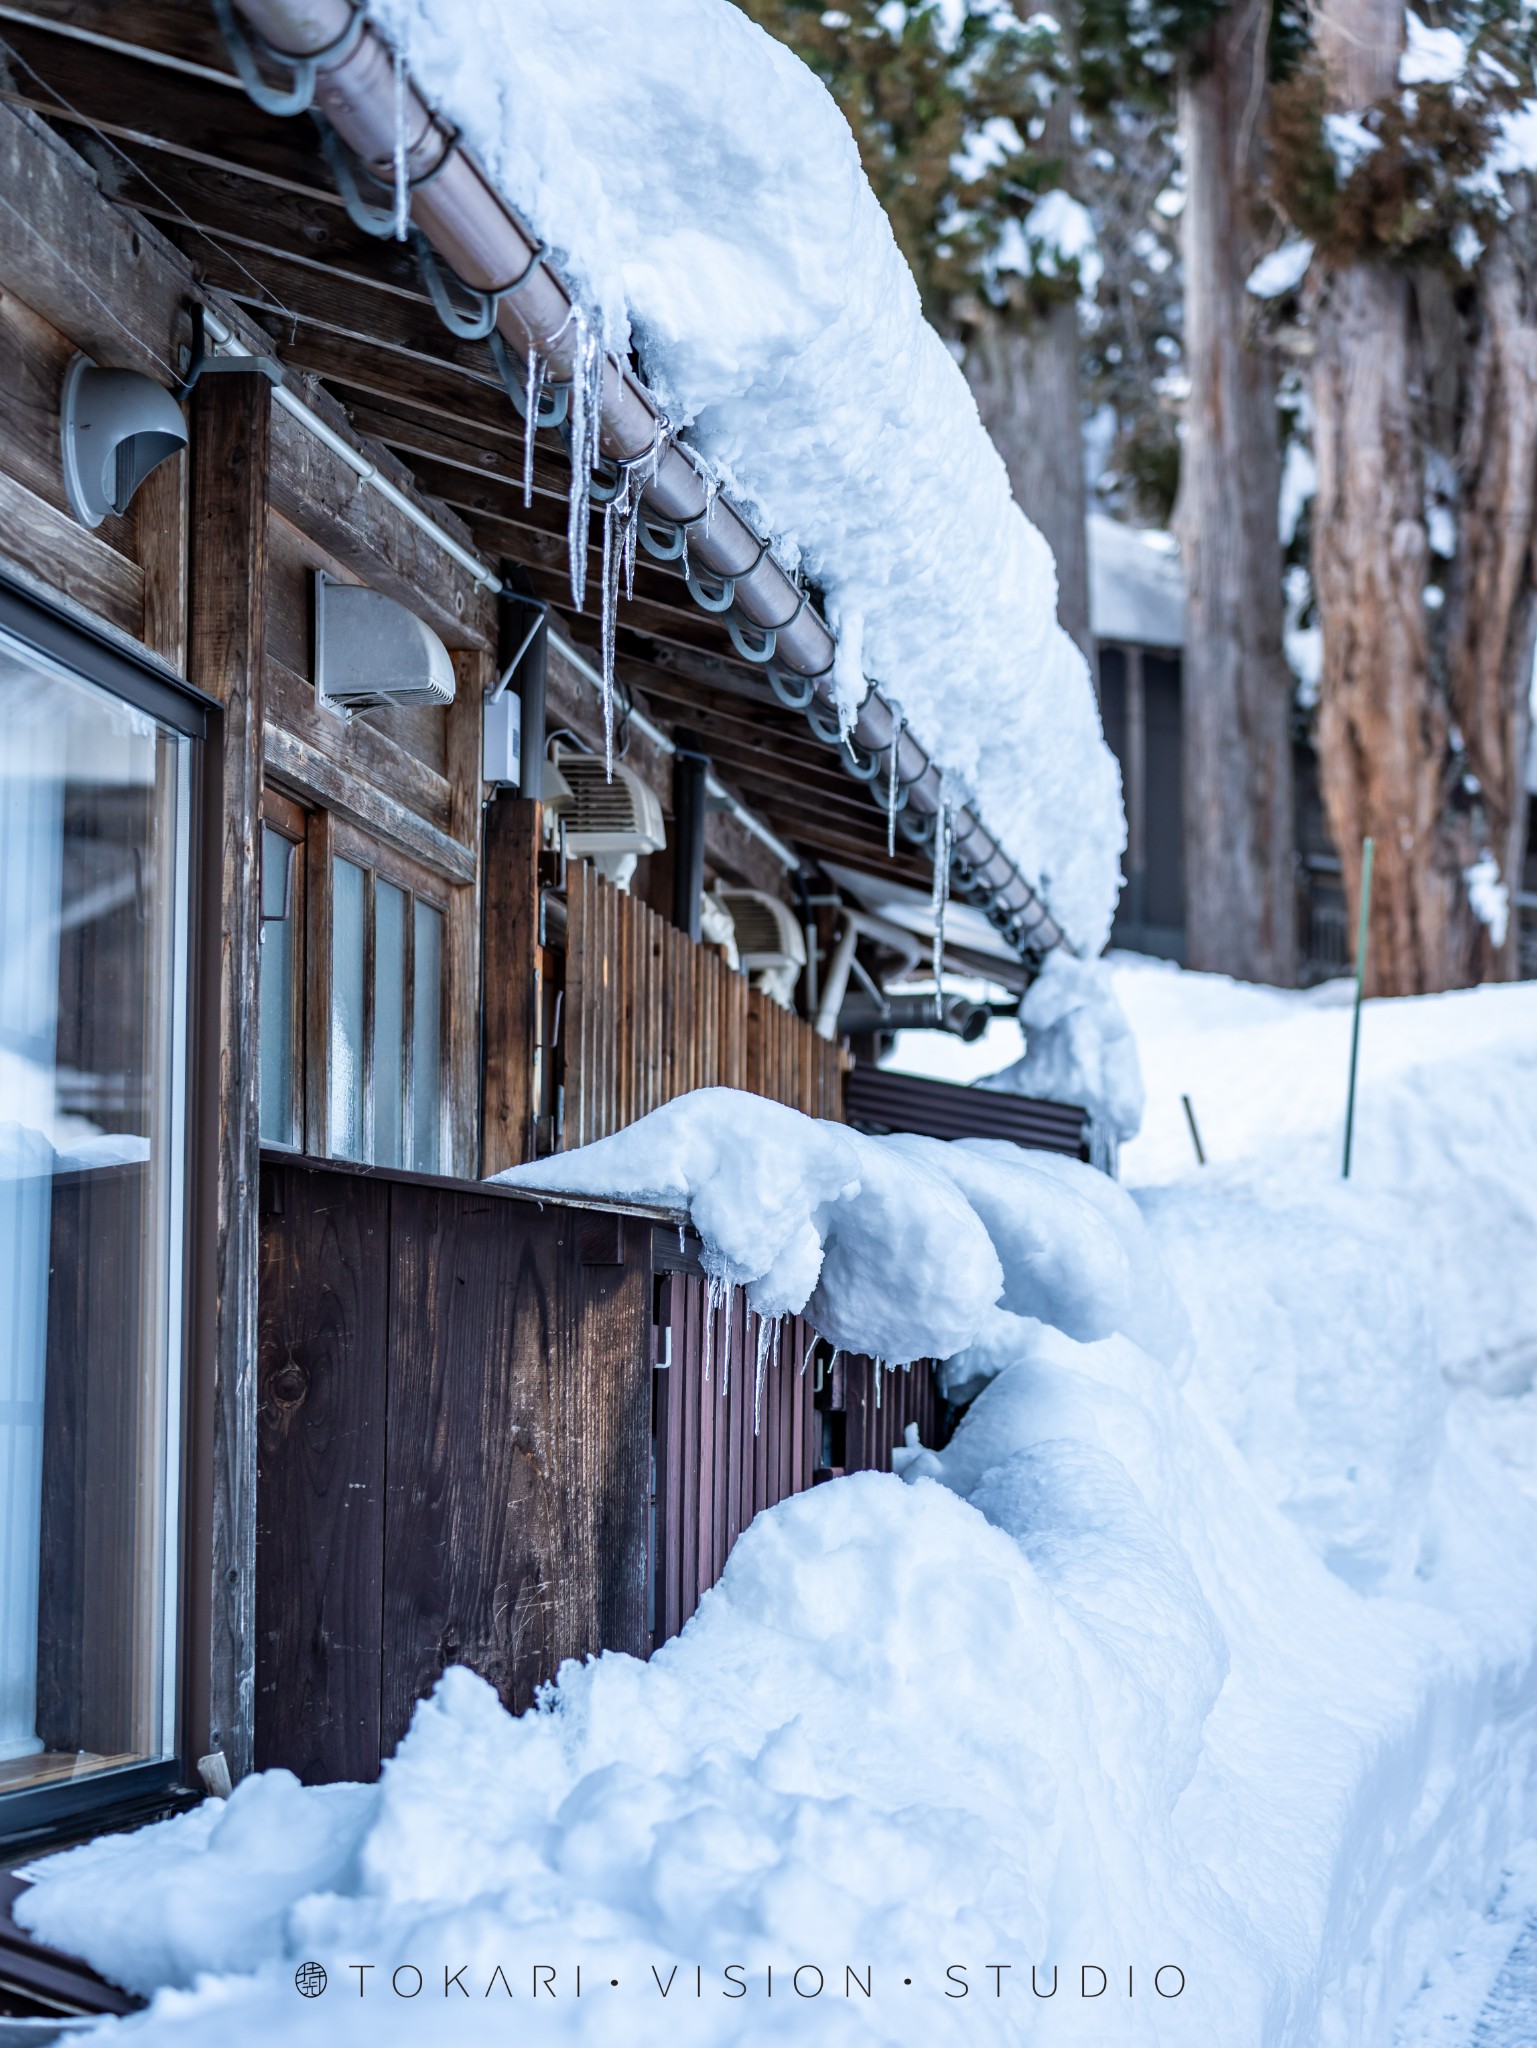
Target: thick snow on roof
[702, 193]
[1136, 585]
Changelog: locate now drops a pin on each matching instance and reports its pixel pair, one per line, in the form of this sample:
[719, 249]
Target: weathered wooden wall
[648, 1015]
[455, 1413]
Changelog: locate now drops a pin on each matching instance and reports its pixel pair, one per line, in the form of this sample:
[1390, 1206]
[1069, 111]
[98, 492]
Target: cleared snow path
[1509, 2020]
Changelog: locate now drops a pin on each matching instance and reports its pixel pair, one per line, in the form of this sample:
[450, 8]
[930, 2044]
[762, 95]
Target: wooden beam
[463, 722]
[116, 292]
[322, 495]
[512, 993]
[121, 95]
[50, 545]
[324, 780]
[163, 32]
[231, 422]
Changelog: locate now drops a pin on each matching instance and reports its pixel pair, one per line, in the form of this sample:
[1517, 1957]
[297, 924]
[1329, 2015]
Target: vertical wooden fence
[648, 1015]
[726, 1444]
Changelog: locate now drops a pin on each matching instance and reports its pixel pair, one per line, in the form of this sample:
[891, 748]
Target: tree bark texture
[1240, 888]
[1023, 372]
[1422, 714]
[1491, 607]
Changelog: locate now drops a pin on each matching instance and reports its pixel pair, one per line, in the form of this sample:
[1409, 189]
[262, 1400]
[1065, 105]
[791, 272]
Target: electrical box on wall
[502, 738]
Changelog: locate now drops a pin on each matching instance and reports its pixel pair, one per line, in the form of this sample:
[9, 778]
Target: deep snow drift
[1210, 1641]
[703, 195]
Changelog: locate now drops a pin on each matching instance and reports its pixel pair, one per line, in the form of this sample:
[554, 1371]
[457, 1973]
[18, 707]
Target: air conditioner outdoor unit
[769, 941]
[371, 651]
[611, 822]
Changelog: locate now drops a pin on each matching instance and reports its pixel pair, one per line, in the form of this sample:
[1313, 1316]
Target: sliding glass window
[95, 816]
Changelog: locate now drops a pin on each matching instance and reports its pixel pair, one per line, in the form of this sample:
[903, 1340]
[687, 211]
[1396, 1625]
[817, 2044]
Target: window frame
[37, 1818]
[383, 862]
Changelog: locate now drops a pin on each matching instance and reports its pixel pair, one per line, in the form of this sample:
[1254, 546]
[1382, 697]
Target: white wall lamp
[115, 426]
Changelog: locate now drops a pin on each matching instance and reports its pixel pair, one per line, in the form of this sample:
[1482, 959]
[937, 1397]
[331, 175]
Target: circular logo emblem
[310, 1979]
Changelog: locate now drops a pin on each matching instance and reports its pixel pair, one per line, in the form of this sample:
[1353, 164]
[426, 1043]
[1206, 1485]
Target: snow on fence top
[702, 195]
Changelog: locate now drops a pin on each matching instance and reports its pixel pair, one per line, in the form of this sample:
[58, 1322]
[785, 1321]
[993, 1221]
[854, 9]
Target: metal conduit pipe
[474, 232]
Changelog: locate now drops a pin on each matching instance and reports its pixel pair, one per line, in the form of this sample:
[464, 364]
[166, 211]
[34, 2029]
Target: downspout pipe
[349, 70]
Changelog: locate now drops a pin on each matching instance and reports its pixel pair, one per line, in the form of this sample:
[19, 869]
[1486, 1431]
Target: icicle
[891, 790]
[680, 1241]
[725, 1363]
[631, 528]
[941, 898]
[611, 556]
[533, 398]
[768, 1340]
[715, 1293]
[402, 153]
[807, 1360]
[879, 1367]
[586, 408]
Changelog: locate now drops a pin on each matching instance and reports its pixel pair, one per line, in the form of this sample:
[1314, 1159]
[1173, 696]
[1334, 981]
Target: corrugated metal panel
[875, 1099]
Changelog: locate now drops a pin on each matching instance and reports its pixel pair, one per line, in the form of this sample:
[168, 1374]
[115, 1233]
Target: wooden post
[231, 443]
[1363, 940]
[510, 979]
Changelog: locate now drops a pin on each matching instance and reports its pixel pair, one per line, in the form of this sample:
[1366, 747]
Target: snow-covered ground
[1208, 1648]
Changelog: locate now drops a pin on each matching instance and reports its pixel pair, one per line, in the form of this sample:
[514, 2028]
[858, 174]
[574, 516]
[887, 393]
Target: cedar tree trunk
[1400, 683]
[1240, 887]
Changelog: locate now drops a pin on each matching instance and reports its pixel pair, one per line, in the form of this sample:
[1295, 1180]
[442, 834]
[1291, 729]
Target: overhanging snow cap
[343, 68]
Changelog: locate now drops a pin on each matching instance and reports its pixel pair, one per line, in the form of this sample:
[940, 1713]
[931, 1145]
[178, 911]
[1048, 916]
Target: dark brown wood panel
[518, 1470]
[456, 1434]
[324, 1333]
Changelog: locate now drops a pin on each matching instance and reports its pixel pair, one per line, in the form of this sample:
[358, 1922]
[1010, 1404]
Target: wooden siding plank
[231, 430]
[513, 838]
[323, 1338]
[51, 546]
[519, 1446]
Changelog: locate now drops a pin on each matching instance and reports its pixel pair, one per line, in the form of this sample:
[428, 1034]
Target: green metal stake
[1363, 935]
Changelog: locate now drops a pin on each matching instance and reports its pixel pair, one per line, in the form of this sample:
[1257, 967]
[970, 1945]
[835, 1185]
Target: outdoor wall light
[115, 426]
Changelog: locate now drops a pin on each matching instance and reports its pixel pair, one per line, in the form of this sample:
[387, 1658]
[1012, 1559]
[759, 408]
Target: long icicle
[533, 398]
[402, 160]
[725, 1364]
[891, 790]
[941, 898]
[768, 1340]
[611, 561]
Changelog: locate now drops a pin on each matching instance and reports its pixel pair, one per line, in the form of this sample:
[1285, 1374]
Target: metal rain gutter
[343, 67]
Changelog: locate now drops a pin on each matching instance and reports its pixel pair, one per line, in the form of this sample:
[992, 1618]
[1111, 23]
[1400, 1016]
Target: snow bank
[703, 194]
[1210, 1640]
[1078, 1046]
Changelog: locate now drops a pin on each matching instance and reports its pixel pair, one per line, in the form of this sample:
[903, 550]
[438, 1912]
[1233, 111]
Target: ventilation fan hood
[371, 651]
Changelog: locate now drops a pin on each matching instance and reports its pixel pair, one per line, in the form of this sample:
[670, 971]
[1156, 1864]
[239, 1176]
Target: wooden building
[317, 907]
